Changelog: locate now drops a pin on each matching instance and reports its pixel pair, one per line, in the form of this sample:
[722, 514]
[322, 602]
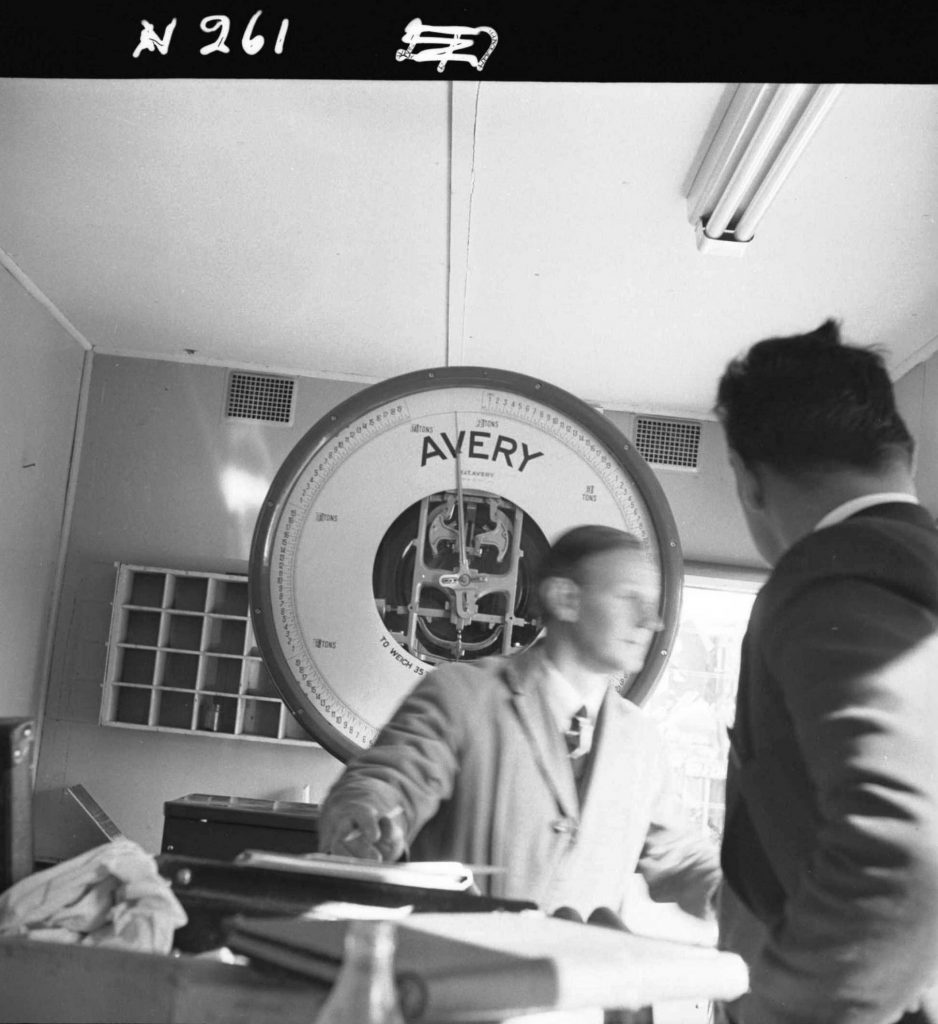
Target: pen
[356, 832]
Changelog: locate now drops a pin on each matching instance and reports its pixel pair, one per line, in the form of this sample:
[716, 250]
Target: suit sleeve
[678, 864]
[413, 762]
[857, 667]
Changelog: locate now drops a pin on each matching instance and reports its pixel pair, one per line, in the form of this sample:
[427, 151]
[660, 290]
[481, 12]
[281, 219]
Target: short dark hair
[572, 548]
[810, 402]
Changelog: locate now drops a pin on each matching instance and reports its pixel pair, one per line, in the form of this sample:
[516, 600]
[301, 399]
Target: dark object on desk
[439, 979]
[221, 827]
[211, 890]
[607, 918]
[16, 794]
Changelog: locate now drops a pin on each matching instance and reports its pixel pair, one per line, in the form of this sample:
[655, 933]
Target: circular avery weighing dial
[406, 527]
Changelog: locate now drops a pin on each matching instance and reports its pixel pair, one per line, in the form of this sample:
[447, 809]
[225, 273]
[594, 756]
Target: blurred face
[617, 611]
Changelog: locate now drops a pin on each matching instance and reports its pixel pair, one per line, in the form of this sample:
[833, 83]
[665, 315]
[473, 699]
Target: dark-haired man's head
[810, 422]
[599, 599]
[809, 403]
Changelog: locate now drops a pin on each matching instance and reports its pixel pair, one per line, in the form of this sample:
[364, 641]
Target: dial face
[406, 528]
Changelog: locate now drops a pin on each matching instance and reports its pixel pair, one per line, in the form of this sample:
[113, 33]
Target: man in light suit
[474, 766]
[830, 848]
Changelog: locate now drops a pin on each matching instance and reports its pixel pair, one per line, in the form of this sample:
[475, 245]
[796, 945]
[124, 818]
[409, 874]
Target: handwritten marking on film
[444, 43]
[251, 41]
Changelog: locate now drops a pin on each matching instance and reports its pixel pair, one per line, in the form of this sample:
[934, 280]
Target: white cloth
[112, 895]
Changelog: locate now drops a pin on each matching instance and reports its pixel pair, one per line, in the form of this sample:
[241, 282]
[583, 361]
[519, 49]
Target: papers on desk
[464, 967]
[339, 910]
[450, 876]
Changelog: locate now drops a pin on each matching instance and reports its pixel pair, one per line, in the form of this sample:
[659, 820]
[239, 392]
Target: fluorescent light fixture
[763, 133]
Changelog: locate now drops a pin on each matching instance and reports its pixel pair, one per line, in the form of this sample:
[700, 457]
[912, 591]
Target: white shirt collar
[854, 505]
[565, 700]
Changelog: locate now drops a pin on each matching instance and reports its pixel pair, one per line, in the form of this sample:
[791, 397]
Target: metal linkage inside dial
[453, 580]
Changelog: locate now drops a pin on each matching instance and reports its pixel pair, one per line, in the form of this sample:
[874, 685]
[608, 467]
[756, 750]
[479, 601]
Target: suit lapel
[524, 675]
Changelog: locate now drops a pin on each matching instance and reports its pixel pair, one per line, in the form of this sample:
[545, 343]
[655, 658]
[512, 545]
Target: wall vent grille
[256, 396]
[668, 442]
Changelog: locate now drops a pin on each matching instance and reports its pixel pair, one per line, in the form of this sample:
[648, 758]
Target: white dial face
[405, 530]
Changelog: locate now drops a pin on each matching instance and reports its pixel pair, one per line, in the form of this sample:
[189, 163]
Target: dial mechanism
[406, 528]
[452, 576]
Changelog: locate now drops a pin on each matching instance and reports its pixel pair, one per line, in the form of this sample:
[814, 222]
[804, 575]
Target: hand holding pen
[357, 829]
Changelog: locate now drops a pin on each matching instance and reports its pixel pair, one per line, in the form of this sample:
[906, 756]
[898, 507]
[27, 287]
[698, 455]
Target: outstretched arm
[388, 792]
[678, 863]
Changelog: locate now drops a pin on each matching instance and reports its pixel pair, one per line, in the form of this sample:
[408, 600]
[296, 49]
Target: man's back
[831, 836]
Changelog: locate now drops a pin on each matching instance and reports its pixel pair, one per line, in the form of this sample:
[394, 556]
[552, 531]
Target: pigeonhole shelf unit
[182, 657]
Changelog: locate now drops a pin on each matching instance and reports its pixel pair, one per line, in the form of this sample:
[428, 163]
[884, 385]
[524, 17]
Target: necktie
[579, 739]
[579, 735]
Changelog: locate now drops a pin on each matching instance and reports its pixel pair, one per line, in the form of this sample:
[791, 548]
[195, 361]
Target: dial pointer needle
[460, 514]
[461, 528]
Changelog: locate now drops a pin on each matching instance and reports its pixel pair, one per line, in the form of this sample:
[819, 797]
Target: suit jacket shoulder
[894, 546]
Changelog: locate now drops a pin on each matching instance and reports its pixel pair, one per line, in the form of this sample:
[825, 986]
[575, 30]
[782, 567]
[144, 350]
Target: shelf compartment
[143, 628]
[184, 632]
[189, 593]
[225, 636]
[136, 666]
[220, 675]
[181, 670]
[258, 681]
[175, 709]
[261, 718]
[147, 589]
[132, 705]
[229, 597]
[218, 714]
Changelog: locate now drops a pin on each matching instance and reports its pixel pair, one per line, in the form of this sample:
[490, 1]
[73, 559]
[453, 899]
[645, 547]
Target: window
[694, 701]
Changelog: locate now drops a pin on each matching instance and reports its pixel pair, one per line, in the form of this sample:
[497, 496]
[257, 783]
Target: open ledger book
[463, 967]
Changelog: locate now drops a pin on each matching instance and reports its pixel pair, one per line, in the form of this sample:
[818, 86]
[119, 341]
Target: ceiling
[362, 229]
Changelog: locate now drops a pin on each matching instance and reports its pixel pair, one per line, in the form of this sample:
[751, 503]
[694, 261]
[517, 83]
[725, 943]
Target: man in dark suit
[830, 850]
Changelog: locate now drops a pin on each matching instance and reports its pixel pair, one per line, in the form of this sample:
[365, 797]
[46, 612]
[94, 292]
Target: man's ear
[748, 483]
[561, 598]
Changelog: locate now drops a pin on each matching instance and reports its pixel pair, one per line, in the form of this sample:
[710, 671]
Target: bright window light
[694, 701]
